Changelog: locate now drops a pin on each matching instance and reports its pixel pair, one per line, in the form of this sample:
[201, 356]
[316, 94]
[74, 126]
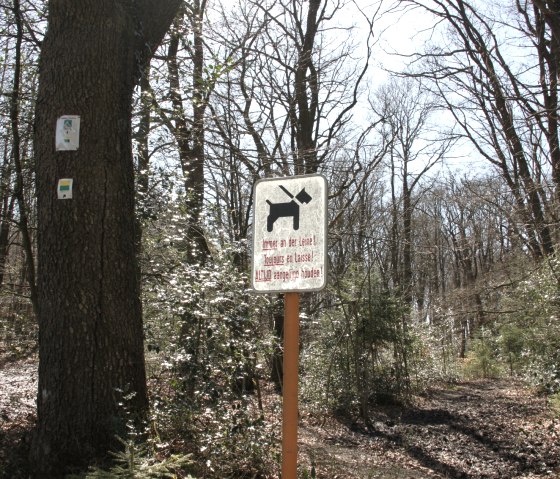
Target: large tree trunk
[90, 323]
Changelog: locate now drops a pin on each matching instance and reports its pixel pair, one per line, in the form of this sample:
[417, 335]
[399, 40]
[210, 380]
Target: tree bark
[89, 310]
[7, 202]
[305, 86]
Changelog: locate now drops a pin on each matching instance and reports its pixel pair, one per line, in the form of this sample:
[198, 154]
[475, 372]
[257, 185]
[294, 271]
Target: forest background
[444, 182]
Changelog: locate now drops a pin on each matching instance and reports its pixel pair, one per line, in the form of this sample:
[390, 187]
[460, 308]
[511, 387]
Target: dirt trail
[474, 430]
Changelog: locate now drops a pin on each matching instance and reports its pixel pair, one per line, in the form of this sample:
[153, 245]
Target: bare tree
[406, 110]
[506, 109]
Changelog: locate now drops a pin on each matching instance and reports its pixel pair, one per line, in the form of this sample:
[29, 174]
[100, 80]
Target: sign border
[325, 241]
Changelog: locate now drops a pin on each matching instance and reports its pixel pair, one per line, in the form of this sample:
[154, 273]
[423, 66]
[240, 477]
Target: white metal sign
[290, 234]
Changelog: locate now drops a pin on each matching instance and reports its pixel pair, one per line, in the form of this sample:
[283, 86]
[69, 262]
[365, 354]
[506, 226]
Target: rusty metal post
[290, 386]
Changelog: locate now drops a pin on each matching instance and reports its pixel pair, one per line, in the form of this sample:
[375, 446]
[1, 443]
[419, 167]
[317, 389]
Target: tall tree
[406, 110]
[16, 155]
[189, 134]
[90, 324]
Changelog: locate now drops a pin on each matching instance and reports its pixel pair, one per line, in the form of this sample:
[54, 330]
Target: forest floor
[474, 430]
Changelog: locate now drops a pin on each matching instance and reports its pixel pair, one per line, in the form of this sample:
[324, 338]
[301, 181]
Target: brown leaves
[492, 430]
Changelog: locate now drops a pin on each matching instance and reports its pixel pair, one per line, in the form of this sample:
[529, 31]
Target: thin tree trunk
[190, 139]
[23, 222]
[307, 96]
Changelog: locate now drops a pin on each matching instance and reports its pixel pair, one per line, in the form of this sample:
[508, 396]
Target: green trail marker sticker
[65, 188]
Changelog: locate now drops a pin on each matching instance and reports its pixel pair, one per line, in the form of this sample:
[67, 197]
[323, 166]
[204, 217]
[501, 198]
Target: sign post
[290, 386]
[289, 256]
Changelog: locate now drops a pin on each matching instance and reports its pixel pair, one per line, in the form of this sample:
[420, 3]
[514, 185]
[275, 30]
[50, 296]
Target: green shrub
[481, 360]
[360, 351]
[512, 343]
[209, 343]
[134, 461]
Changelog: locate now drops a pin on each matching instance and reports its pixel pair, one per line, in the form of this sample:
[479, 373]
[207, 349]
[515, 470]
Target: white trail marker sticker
[68, 133]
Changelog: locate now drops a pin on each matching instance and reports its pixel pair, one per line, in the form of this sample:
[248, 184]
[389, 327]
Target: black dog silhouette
[283, 210]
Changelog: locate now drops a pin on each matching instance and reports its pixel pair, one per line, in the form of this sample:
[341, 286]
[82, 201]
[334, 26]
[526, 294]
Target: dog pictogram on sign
[287, 209]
